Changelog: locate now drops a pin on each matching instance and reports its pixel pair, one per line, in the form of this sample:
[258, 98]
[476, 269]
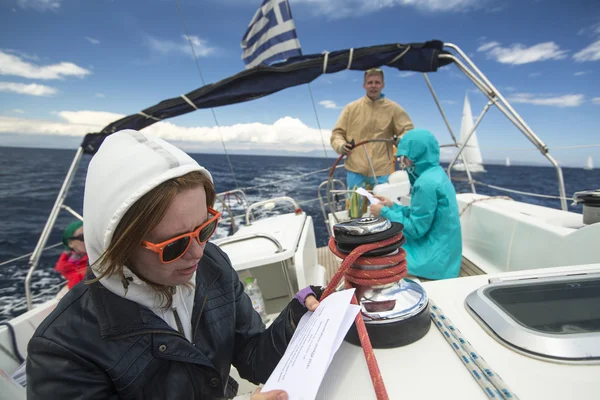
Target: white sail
[507, 162]
[471, 151]
[589, 164]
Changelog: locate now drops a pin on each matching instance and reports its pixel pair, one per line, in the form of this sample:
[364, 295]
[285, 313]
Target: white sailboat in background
[589, 165]
[507, 162]
[471, 152]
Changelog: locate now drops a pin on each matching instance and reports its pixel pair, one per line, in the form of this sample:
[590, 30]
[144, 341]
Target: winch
[591, 205]
[395, 309]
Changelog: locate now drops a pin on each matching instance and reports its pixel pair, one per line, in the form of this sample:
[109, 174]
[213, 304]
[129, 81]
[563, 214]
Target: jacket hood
[128, 165]
[422, 148]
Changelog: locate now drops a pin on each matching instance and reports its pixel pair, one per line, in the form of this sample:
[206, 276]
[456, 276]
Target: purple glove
[297, 308]
[303, 294]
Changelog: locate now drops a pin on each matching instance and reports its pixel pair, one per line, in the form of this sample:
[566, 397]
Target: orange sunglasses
[174, 248]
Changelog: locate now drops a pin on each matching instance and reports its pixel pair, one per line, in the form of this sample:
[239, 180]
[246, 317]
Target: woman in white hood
[163, 314]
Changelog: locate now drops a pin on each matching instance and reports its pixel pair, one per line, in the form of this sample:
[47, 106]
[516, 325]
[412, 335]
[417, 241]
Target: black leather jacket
[97, 345]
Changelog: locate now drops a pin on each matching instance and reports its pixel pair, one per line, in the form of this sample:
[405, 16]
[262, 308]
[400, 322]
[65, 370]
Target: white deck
[503, 235]
[258, 251]
[429, 368]
[253, 251]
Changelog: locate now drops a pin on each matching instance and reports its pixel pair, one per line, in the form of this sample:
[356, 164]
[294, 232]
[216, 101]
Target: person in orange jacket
[72, 263]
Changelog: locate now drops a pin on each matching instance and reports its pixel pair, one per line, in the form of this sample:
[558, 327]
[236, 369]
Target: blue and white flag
[271, 35]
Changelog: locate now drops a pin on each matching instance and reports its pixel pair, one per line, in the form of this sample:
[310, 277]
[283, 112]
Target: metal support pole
[370, 164]
[496, 92]
[439, 105]
[463, 145]
[516, 118]
[561, 182]
[330, 202]
[492, 97]
[73, 212]
[39, 248]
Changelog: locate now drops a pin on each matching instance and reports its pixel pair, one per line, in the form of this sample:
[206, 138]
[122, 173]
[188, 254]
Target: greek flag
[271, 35]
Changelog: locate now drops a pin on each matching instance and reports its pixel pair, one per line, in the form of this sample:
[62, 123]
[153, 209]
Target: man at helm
[373, 116]
[432, 221]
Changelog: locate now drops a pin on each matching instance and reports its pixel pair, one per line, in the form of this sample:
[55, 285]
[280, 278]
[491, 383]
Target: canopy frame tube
[493, 94]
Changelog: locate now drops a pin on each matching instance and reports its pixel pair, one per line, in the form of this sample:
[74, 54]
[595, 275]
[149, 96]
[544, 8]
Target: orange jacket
[71, 268]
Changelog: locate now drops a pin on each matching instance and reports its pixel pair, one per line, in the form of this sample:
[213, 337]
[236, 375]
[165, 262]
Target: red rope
[369, 278]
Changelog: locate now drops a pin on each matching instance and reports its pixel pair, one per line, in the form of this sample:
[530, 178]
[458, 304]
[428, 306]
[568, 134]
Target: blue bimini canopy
[263, 80]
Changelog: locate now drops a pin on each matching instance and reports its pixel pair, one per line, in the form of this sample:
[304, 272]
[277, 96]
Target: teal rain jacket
[431, 222]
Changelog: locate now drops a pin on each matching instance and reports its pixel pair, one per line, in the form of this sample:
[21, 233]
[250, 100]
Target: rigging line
[317, 117]
[187, 35]
[28, 254]
[581, 146]
[544, 196]
[287, 4]
[271, 183]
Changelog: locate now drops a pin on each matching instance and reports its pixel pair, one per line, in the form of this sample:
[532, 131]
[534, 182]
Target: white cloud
[18, 111]
[287, 133]
[580, 73]
[406, 74]
[568, 100]
[591, 30]
[351, 8]
[596, 100]
[495, 9]
[454, 73]
[21, 54]
[91, 118]
[73, 123]
[100, 95]
[92, 40]
[476, 91]
[488, 46]
[329, 104]
[535, 74]
[14, 65]
[590, 53]
[518, 54]
[40, 5]
[201, 47]
[32, 89]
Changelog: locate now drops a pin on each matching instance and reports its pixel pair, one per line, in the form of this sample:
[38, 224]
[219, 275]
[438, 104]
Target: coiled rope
[370, 278]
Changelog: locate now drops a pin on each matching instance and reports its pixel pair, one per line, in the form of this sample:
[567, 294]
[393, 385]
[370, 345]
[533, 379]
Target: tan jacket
[367, 119]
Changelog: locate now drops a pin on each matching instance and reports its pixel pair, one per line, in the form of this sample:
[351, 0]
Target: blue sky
[70, 67]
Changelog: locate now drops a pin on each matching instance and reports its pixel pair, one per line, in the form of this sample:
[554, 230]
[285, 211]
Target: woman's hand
[375, 209]
[384, 200]
[308, 297]
[305, 300]
[311, 303]
[272, 395]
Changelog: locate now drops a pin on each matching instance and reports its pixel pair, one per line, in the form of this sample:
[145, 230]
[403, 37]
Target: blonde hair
[373, 71]
[143, 216]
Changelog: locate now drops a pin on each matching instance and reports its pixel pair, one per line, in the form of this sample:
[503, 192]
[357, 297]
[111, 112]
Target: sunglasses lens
[175, 249]
[207, 231]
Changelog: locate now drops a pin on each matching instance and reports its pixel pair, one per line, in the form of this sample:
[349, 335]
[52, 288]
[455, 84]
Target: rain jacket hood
[422, 148]
[431, 222]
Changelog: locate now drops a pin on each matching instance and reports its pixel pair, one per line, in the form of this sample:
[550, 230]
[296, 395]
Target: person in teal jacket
[431, 222]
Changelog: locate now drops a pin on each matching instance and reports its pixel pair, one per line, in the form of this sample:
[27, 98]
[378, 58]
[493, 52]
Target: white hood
[128, 165]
